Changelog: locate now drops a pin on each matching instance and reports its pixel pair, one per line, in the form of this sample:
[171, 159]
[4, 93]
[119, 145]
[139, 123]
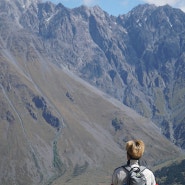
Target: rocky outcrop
[40, 103]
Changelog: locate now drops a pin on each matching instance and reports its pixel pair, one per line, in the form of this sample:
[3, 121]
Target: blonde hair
[135, 148]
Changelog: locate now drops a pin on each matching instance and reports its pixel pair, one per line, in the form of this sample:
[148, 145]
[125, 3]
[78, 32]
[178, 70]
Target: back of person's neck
[132, 161]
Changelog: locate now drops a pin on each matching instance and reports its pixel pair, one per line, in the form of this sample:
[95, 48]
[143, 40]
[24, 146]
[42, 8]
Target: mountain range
[76, 84]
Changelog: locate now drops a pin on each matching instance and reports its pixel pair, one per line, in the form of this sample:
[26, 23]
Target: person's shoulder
[119, 169]
[147, 171]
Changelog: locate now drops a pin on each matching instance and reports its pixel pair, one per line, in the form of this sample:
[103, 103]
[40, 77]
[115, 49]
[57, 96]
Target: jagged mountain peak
[94, 10]
[21, 4]
[97, 10]
[13, 10]
[142, 8]
[146, 10]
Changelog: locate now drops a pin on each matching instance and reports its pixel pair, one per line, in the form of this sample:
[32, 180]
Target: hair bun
[135, 148]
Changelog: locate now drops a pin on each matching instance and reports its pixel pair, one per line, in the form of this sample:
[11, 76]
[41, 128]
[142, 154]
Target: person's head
[135, 149]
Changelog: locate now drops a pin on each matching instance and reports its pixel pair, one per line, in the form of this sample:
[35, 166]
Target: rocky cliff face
[137, 58]
[55, 126]
[157, 39]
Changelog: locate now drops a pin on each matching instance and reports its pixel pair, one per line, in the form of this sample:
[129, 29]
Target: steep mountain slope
[158, 37]
[55, 127]
[54, 124]
[137, 58]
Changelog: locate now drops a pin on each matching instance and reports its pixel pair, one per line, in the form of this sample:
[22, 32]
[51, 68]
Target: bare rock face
[137, 58]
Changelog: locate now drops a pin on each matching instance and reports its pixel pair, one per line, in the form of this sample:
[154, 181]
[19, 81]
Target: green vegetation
[57, 163]
[172, 175]
[78, 170]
